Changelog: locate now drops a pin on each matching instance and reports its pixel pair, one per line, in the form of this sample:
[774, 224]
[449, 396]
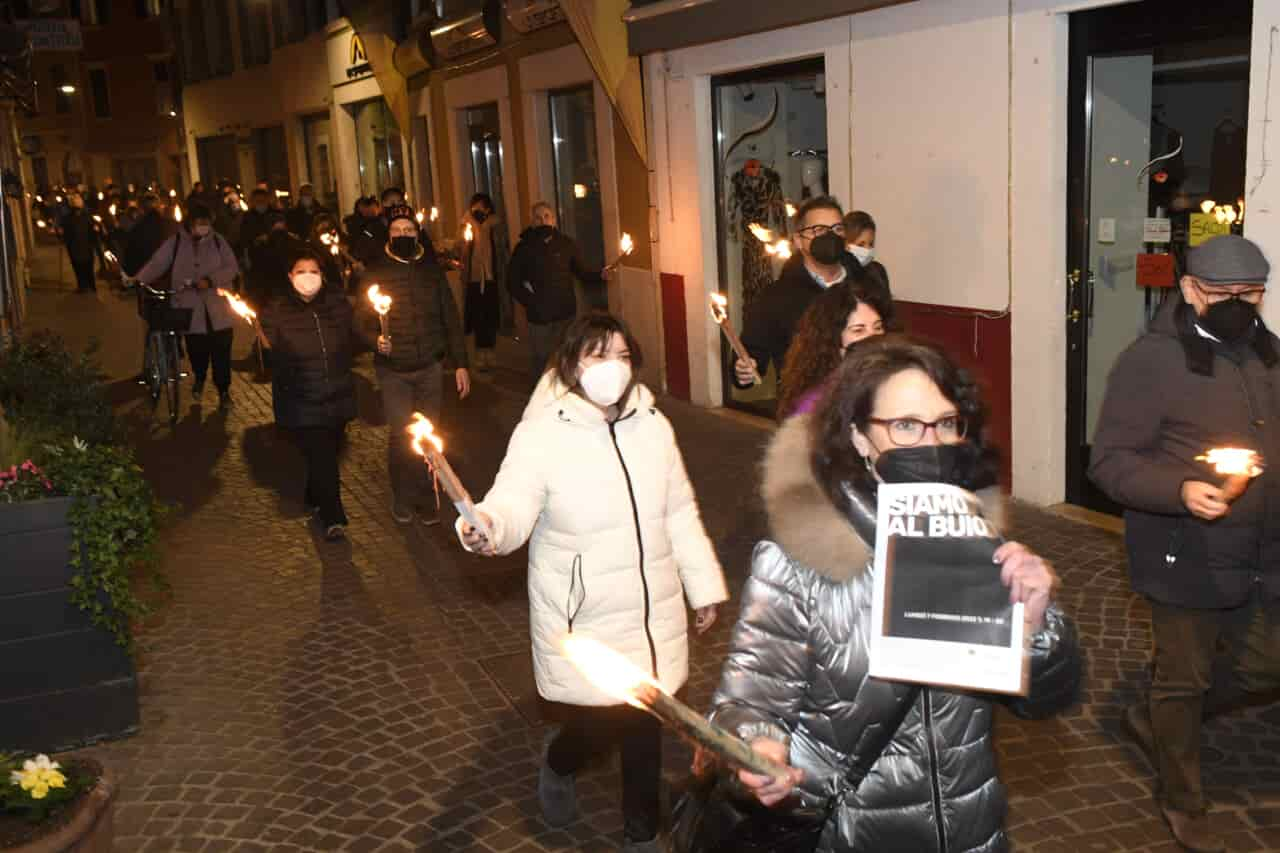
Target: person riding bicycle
[197, 263]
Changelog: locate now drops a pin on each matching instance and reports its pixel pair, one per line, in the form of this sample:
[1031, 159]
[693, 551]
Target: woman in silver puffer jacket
[795, 683]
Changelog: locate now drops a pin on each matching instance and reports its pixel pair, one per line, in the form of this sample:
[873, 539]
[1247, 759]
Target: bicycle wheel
[154, 367]
[174, 383]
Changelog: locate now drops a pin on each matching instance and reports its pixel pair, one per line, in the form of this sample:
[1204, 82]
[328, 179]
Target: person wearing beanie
[423, 333]
[1203, 376]
[197, 263]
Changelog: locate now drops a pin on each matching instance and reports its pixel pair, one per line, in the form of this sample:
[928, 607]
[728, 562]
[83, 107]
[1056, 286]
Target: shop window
[270, 158]
[378, 147]
[255, 32]
[195, 49]
[166, 102]
[577, 171]
[316, 136]
[484, 132]
[218, 159]
[770, 144]
[101, 92]
[218, 38]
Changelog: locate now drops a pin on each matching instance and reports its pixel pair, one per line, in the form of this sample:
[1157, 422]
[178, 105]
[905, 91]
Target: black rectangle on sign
[946, 589]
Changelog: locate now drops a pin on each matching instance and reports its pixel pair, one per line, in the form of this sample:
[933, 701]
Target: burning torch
[625, 247]
[1237, 464]
[613, 674]
[430, 447]
[777, 248]
[382, 304]
[242, 308]
[720, 313]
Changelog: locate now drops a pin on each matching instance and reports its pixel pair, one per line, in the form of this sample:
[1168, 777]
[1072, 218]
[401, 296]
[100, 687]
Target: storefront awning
[671, 24]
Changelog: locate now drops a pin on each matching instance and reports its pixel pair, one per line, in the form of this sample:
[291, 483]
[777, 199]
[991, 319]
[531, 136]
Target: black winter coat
[79, 234]
[770, 321]
[423, 323]
[797, 673]
[252, 226]
[299, 218]
[1172, 395]
[145, 237]
[311, 355]
[366, 237]
[541, 276]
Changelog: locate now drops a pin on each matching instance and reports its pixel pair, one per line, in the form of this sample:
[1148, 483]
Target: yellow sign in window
[1205, 226]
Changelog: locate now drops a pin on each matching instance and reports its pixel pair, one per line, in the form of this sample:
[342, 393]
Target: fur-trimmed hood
[804, 521]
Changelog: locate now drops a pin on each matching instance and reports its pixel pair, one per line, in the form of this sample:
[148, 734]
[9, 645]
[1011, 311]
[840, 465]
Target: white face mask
[605, 381]
[201, 230]
[307, 283]
[863, 254]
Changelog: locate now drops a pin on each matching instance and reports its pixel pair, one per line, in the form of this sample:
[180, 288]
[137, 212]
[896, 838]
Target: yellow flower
[38, 776]
[40, 791]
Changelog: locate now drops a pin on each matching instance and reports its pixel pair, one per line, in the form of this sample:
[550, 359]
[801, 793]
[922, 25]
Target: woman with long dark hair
[839, 318]
[875, 765]
[598, 489]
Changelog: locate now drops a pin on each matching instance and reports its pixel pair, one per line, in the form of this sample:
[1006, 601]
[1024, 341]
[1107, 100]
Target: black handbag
[712, 817]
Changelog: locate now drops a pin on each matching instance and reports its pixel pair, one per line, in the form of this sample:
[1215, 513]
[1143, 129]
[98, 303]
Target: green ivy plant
[114, 521]
[45, 389]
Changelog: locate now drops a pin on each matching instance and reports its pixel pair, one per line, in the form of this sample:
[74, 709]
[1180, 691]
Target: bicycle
[163, 358]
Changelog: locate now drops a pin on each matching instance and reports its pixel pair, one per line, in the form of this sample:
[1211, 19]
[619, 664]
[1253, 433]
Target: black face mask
[953, 464]
[404, 247]
[827, 248]
[479, 215]
[1229, 320]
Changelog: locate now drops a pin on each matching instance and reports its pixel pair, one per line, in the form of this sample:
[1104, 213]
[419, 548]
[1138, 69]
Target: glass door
[1158, 101]
[484, 131]
[771, 152]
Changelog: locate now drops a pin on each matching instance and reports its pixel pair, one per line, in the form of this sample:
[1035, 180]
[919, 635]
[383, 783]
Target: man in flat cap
[1205, 375]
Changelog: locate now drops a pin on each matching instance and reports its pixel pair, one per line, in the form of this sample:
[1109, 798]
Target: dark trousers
[482, 313]
[543, 340]
[1186, 643]
[215, 347]
[83, 268]
[323, 490]
[404, 393]
[592, 731]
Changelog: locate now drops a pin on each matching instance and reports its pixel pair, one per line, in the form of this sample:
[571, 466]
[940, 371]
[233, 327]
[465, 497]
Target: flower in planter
[38, 775]
[23, 483]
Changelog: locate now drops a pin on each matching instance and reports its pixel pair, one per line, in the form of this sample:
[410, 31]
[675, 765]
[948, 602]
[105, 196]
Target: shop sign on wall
[52, 34]
[1157, 230]
[348, 58]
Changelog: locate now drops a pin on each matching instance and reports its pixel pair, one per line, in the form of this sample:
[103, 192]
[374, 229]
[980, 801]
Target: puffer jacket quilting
[311, 357]
[797, 672]
[423, 322]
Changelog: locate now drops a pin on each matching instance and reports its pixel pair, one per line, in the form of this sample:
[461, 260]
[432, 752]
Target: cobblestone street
[377, 694]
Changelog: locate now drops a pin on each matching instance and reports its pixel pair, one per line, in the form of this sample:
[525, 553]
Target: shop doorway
[482, 130]
[1158, 96]
[770, 146]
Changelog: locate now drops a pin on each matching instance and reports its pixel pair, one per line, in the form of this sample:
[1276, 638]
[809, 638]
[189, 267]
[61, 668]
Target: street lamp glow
[67, 89]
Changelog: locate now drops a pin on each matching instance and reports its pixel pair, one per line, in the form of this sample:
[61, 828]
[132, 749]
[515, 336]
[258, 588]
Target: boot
[1192, 831]
[558, 795]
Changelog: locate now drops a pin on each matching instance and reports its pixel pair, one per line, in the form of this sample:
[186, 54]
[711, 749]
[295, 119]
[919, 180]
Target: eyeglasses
[813, 231]
[1215, 295]
[908, 432]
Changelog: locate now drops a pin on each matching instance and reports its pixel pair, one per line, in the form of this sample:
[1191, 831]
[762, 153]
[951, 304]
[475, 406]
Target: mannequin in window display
[755, 197]
[813, 175]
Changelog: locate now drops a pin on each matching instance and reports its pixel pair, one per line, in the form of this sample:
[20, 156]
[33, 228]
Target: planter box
[89, 829]
[63, 682]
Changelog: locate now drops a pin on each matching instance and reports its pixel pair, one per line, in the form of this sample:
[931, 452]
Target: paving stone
[376, 694]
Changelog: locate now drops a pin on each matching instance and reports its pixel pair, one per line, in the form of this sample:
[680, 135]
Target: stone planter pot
[91, 828]
[63, 682]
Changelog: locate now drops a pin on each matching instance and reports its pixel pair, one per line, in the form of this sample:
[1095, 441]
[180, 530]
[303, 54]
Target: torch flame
[244, 205]
[333, 250]
[238, 305]
[173, 193]
[606, 669]
[719, 307]
[791, 210]
[177, 213]
[626, 244]
[1233, 460]
[420, 216]
[40, 223]
[110, 256]
[112, 210]
[422, 431]
[435, 213]
[764, 235]
[100, 196]
[467, 233]
[326, 238]
[97, 218]
[780, 249]
[381, 302]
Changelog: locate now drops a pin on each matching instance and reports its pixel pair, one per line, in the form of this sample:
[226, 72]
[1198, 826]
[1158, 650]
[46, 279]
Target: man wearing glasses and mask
[819, 263]
[1206, 374]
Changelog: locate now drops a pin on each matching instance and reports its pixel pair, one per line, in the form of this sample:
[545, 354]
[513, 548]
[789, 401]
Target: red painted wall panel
[675, 332]
[983, 346]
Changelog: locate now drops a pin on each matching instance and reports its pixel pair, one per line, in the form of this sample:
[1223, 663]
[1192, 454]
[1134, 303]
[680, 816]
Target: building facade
[108, 95]
[1003, 147]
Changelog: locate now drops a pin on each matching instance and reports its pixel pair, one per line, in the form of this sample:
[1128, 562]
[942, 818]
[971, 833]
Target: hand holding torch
[720, 313]
[1238, 465]
[613, 674]
[430, 447]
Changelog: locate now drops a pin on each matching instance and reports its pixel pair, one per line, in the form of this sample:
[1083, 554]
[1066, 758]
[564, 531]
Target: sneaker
[401, 514]
[1192, 831]
[429, 516]
[557, 795]
[334, 532]
[224, 400]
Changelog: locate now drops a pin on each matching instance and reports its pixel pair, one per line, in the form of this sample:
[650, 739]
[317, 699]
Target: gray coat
[797, 672]
[1172, 395]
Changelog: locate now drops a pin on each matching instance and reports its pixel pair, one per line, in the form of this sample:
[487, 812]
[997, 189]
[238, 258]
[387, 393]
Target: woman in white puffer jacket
[596, 484]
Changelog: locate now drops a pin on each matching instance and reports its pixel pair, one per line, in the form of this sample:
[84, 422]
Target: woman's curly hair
[815, 351]
[849, 402]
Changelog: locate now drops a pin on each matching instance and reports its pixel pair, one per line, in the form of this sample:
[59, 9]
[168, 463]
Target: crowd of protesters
[594, 484]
